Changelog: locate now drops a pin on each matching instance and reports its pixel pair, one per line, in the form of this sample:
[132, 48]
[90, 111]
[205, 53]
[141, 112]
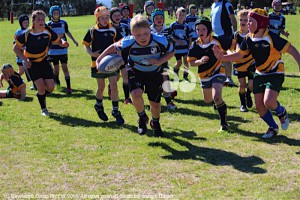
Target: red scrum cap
[261, 17]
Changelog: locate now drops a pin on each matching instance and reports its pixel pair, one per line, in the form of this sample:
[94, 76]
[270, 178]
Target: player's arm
[109, 50]
[18, 51]
[195, 63]
[162, 59]
[294, 52]
[90, 51]
[23, 91]
[226, 58]
[69, 34]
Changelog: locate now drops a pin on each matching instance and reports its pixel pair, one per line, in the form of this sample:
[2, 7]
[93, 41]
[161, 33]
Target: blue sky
[106, 2]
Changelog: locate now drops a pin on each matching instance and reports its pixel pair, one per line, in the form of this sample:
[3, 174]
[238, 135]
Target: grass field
[73, 153]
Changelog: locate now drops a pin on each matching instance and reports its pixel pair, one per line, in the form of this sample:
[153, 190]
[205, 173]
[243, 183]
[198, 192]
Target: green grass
[73, 152]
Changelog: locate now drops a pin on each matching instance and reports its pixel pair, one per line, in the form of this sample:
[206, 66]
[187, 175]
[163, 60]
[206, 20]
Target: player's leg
[125, 86]
[99, 99]
[115, 99]
[242, 93]
[186, 68]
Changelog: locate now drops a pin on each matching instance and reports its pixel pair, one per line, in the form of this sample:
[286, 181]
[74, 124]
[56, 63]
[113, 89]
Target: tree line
[84, 7]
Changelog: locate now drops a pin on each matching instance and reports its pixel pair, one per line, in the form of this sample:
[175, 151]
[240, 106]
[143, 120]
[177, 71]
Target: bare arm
[69, 34]
[23, 92]
[162, 59]
[233, 22]
[294, 52]
[109, 50]
[203, 60]
[226, 58]
[285, 33]
[89, 51]
[18, 50]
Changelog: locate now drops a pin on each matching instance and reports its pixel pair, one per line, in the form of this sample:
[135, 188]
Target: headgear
[101, 11]
[147, 4]
[261, 17]
[112, 11]
[276, 2]
[157, 11]
[192, 6]
[53, 8]
[23, 18]
[206, 22]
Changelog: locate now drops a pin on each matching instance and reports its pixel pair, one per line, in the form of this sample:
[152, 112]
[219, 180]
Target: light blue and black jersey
[122, 31]
[190, 20]
[150, 21]
[180, 32]
[277, 22]
[138, 56]
[17, 33]
[220, 21]
[60, 28]
[126, 21]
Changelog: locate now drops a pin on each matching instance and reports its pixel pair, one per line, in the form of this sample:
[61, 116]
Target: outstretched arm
[294, 52]
[226, 58]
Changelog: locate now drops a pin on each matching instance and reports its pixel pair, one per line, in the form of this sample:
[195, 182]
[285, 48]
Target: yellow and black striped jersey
[266, 52]
[243, 64]
[15, 82]
[37, 44]
[213, 66]
[99, 39]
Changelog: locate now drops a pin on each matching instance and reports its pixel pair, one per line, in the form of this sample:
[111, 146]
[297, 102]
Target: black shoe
[100, 112]
[118, 116]
[142, 127]
[225, 128]
[156, 129]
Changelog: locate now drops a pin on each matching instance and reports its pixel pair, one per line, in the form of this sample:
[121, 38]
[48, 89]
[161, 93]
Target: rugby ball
[110, 63]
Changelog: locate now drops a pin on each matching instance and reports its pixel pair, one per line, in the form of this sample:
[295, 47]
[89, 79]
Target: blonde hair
[180, 10]
[139, 21]
[243, 12]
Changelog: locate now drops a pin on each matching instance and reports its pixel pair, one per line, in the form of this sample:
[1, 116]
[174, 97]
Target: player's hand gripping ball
[110, 63]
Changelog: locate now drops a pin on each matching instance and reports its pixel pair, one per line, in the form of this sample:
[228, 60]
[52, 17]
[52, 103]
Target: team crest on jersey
[105, 34]
[153, 50]
[112, 34]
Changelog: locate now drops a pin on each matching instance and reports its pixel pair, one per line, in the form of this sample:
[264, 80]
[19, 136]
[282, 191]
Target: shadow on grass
[75, 121]
[1, 103]
[210, 155]
[278, 139]
[290, 88]
[292, 75]
[28, 99]
[209, 115]
[88, 94]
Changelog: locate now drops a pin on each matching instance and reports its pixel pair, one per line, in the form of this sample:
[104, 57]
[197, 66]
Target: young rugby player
[148, 8]
[96, 40]
[122, 31]
[266, 49]
[36, 42]
[147, 53]
[277, 20]
[16, 86]
[158, 27]
[57, 53]
[180, 34]
[190, 20]
[210, 69]
[125, 10]
[246, 66]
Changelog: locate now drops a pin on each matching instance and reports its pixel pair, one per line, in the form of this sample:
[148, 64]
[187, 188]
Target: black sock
[155, 120]
[115, 106]
[56, 79]
[243, 98]
[222, 110]
[42, 100]
[99, 102]
[141, 114]
[126, 90]
[248, 94]
[186, 73]
[68, 81]
[167, 97]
